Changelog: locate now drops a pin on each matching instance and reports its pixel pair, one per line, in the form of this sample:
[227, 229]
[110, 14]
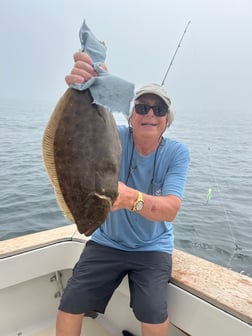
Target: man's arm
[156, 208]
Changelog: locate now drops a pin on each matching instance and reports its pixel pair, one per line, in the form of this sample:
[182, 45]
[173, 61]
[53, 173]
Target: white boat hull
[33, 278]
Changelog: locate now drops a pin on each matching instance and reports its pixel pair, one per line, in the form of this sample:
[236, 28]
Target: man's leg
[160, 329]
[68, 324]
[95, 277]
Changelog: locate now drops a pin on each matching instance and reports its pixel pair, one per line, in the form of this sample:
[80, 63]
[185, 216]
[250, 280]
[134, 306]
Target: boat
[204, 298]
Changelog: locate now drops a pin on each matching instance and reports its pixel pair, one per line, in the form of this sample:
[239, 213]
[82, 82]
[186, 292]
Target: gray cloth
[107, 90]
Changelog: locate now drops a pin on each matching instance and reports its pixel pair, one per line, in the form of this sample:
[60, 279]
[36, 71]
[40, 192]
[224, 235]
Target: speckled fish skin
[86, 153]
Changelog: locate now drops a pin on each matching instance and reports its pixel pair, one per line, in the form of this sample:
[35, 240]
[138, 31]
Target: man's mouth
[148, 124]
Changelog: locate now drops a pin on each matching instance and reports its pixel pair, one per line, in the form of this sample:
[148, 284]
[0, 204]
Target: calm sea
[215, 221]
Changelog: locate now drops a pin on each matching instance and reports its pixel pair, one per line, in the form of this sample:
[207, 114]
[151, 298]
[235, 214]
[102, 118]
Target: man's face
[149, 125]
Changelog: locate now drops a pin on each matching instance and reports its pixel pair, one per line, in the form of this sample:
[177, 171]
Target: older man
[137, 237]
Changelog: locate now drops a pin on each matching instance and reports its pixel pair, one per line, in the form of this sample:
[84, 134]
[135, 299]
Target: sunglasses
[159, 111]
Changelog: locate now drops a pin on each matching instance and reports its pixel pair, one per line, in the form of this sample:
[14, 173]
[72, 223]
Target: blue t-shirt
[162, 172]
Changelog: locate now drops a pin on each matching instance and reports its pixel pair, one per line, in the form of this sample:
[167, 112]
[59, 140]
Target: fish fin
[49, 161]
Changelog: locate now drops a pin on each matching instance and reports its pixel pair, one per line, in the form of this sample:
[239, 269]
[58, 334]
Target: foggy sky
[213, 66]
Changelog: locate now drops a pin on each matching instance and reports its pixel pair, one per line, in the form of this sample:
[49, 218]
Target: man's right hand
[83, 69]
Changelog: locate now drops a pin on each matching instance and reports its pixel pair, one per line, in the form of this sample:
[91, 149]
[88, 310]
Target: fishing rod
[174, 55]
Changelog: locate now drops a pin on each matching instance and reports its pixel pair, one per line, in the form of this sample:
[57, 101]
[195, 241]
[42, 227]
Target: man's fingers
[74, 79]
[82, 56]
[85, 67]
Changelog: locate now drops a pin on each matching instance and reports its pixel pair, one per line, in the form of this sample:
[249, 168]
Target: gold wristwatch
[139, 203]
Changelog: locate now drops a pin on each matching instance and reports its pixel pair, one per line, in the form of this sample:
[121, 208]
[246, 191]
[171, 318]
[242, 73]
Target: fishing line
[225, 211]
[174, 55]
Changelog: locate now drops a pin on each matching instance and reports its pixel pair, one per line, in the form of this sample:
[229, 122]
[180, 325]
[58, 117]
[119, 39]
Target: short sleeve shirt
[162, 172]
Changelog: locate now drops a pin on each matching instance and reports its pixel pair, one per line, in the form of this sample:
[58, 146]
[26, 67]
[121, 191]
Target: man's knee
[68, 324]
[152, 313]
[159, 329]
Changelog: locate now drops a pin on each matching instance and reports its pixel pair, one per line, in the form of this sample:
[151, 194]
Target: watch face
[139, 205]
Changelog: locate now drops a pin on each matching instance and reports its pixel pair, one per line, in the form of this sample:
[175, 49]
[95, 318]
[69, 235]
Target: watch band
[139, 203]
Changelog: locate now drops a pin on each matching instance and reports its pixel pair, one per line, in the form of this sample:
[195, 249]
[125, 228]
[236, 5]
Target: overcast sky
[212, 68]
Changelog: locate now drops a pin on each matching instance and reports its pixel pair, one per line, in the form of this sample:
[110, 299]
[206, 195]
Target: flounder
[82, 153]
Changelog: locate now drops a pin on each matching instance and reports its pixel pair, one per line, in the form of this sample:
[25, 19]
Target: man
[137, 237]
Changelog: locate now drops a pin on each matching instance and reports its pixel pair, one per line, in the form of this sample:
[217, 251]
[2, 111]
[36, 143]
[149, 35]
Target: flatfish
[82, 154]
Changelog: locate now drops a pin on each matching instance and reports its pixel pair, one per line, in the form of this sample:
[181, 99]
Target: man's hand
[125, 197]
[83, 69]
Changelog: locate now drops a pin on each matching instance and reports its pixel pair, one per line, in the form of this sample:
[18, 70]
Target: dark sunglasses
[159, 111]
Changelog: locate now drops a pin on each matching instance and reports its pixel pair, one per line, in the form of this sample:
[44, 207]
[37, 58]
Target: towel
[107, 90]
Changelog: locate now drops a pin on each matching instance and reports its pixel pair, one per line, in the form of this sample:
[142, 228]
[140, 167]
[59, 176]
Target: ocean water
[216, 228]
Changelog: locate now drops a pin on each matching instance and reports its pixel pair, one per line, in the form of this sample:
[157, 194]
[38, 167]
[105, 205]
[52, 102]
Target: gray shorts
[100, 271]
